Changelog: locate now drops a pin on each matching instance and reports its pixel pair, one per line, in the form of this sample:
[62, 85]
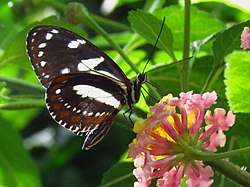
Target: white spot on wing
[48, 36]
[102, 113]
[108, 74]
[40, 54]
[64, 125]
[43, 63]
[42, 45]
[81, 41]
[58, 91]
[65, 71]
[98, 94]
[73, 44]
[89, 114]
[54, 31]
[88, 64]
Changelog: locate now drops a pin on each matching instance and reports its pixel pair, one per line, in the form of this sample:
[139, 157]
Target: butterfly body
[85, 89]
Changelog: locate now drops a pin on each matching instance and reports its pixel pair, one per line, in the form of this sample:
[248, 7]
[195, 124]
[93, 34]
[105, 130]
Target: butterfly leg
[130, 110]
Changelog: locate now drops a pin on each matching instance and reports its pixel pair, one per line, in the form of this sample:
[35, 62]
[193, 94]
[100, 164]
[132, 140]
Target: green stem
[110, 23]
[152, 5]
[101, 20]
[134, 42]
[19, 84]
[232, 171]
[24, 104]
[186, 46]
[208, 156]
[217, 161]
[56, 4]
[213, 76]
[200, 155]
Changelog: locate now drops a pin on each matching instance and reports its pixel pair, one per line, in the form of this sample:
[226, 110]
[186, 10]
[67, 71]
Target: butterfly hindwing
[96, 100]
[54, 51]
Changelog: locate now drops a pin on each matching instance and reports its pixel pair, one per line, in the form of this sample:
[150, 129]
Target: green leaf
[237, 81]
[228, 41]
[16, 167]
[148, 26]
[202, 24]
[119, 175]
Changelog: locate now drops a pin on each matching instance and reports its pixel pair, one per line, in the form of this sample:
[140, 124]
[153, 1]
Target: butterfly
[85, 88]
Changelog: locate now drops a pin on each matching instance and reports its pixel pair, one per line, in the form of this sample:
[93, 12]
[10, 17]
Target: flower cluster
[168, 140]
[245, 38]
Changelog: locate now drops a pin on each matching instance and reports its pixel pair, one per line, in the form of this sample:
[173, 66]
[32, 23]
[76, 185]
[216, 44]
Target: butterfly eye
[142, 78]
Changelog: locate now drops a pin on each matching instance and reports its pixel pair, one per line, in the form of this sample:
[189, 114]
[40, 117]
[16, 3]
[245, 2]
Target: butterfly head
[137, 84]
[141, 78]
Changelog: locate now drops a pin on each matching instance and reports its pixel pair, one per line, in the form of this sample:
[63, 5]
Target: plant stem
[208, 156]
[214, 156]
[152, 5]
[110, 23]
[214, 74]
[24, 104]
[55, 4]
[186, 46]
[217, 160]
[232, 171]
[21, 85]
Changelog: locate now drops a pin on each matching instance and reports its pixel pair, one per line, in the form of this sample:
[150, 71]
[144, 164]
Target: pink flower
[163, 147]
[215, 140]
[220, 119]
[142, 173]
[199, 177]
[245, 38]
[171, 178]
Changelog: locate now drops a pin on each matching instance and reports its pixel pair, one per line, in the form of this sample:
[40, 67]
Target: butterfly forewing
[54, 51]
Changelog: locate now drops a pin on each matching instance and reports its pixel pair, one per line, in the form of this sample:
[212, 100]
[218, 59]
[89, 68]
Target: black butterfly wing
[54, 51]
[86, 104]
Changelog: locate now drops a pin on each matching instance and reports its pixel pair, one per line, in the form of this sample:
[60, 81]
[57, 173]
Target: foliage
[36, 152]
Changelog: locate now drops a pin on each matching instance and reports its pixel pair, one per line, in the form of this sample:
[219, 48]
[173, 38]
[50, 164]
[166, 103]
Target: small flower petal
[171, 178]
[215, 140]
[141, 177]
[220, 119]
[245, 38]
[199, 177]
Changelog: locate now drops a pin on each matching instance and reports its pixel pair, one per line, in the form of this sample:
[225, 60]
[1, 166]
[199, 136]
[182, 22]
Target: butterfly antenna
[144, 97]
[154, 86]
[148, 95]
[162, 25]
[167, 65]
